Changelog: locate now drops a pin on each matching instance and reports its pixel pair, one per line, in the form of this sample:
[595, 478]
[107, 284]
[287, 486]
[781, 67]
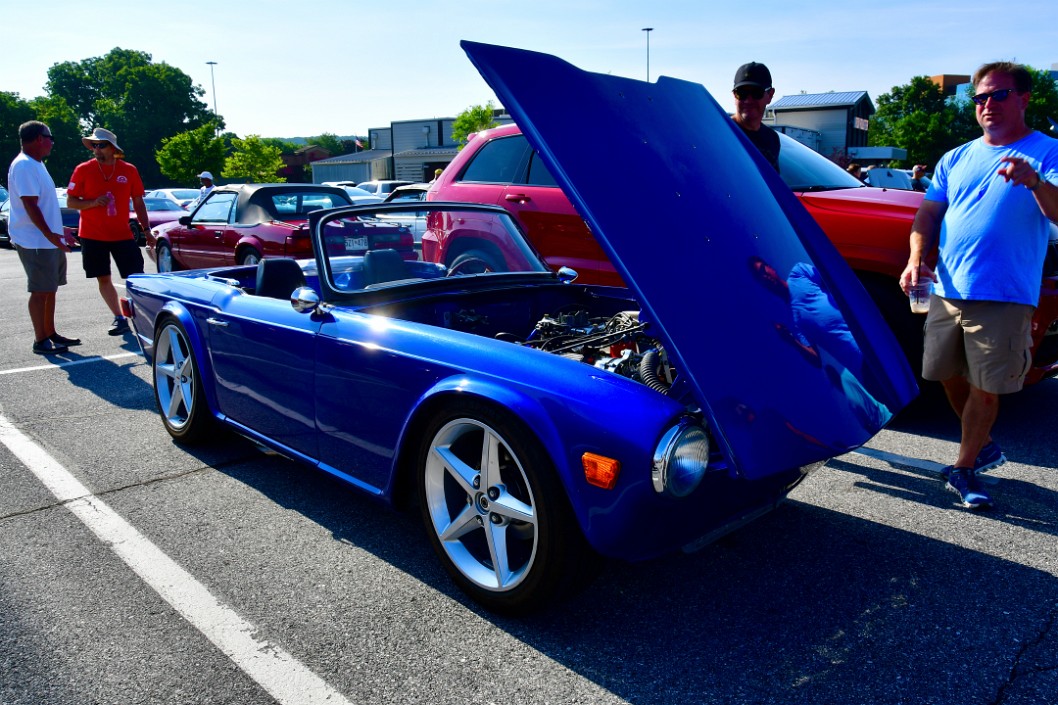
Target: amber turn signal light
[600, 470]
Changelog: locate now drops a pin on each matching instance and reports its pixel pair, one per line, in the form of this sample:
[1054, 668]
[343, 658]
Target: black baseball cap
[753, 74]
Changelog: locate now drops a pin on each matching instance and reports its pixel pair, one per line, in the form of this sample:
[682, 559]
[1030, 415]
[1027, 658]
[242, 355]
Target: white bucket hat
[101, 135]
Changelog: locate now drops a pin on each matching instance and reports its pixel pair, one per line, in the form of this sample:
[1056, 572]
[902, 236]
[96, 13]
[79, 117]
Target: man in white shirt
[35, 227]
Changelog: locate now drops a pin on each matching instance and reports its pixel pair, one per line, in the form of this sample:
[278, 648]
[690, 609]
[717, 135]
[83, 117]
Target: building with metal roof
[841, 119]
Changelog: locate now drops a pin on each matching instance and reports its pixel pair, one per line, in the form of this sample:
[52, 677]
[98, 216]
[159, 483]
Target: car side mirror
[184, 220]
[305, 299]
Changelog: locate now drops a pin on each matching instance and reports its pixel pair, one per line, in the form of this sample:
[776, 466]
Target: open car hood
[775, 337]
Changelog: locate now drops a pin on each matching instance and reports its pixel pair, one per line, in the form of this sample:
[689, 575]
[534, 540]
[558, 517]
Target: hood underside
[780, 344]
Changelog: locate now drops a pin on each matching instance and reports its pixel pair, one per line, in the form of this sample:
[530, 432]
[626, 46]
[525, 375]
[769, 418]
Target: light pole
[648, 30]
[216, 122]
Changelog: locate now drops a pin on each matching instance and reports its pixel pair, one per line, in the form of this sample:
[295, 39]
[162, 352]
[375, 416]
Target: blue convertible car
[535, 422]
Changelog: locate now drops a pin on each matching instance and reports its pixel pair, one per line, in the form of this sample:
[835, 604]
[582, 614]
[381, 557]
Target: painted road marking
[284, 677]
[929, 466]
[68, 363]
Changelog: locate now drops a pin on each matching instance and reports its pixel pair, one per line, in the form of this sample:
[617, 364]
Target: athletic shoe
[963, 482]
[63, 340]
[47, 347]
[120, 326]
[991, 456]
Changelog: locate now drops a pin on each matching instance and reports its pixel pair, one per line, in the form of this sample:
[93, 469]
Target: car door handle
[220, 323]
[218, 233]
[517, 197]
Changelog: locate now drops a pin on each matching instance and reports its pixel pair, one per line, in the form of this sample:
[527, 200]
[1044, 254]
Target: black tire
[518, 504]
[178, 389]
[476, 262]
[249, 255]
[164, 259]
[137, 233]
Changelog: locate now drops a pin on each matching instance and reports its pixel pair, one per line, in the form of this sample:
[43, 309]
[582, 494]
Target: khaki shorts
[988, 342]
[45, 268]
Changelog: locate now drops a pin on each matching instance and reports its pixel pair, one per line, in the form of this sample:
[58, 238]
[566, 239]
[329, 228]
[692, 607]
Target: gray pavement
[869, 586]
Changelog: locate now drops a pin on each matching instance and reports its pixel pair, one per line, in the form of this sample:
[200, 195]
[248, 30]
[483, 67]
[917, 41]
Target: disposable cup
[919, 296]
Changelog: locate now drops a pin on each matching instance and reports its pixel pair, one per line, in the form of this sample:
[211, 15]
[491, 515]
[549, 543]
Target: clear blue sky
[287, 68]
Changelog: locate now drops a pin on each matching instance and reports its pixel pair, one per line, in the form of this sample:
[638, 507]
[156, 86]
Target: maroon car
[159, 212]
[241, 224]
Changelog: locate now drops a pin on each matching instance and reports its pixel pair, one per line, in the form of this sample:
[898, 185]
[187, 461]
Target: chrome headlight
[681, 459]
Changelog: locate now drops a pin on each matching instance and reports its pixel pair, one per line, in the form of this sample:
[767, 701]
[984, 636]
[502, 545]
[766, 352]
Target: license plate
[356, 243]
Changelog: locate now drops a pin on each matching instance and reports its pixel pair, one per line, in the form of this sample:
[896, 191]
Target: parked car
[3, 195]
[411, 193]
[887, 177]
[182, 197]
[540, 422]
[159, 211]
[381, 188]
[358, 196]
[870, 227]
[244, 223]
[71, 222]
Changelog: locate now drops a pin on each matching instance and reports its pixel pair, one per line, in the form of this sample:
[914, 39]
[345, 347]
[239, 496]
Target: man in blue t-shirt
[987, 213]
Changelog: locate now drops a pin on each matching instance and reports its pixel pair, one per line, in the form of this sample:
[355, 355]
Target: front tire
[178, 387]
[164, 258]
[475, 262]
[495, 511]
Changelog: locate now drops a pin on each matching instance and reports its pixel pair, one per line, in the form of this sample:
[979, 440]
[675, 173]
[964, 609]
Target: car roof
[705, 227]
[255, 200]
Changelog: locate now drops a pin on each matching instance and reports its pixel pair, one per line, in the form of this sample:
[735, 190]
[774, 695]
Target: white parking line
[284, 677]
[68, 363]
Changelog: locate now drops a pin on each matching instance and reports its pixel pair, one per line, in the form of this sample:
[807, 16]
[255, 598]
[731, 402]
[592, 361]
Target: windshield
[370, 247]
[806, 170]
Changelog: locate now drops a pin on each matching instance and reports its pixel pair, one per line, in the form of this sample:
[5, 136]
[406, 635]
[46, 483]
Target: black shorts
[95, 256]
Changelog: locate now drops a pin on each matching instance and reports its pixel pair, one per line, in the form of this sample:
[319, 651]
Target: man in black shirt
[753, 91]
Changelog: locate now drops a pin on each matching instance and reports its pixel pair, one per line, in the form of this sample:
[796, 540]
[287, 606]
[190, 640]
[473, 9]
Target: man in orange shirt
[101, 188]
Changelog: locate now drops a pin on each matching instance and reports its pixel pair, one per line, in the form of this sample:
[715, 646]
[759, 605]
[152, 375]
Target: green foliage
[253, 161]
[284, 146]
[13, 112]
[184, 156]
[330, 142]
[140, 101]
[473, 119]
[1043, 103]
[918, 118]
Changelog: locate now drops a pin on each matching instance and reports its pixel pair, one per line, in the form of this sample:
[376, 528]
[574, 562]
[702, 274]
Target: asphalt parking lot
[869, 586]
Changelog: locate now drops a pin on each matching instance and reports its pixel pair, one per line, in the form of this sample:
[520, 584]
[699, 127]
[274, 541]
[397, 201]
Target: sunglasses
[998, 96]
[98, 145]
[48, 137]
[754, 92]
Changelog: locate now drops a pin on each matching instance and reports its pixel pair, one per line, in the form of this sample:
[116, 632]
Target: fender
[177, 310]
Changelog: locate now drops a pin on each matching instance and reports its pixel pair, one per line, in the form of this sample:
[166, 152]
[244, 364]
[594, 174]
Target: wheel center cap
[482, 503]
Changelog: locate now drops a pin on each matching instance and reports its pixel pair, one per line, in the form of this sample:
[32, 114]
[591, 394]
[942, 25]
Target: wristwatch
[1037, 184]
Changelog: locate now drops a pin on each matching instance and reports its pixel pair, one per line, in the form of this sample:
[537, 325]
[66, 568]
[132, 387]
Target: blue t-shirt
[993, 238]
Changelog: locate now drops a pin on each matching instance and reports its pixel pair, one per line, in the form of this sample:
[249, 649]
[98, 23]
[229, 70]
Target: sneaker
[963, 482]
[63, 340]
[48, 347]
[120, 326]
[991, 456]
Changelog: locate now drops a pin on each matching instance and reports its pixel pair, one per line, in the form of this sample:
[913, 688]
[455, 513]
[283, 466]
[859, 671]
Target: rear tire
[249, 256]
[476, 262]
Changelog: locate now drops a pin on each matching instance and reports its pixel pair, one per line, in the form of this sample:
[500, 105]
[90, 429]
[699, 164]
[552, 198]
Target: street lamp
[216, 122]
[648, 30]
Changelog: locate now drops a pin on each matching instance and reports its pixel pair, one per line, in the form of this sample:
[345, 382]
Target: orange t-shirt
[91, 180]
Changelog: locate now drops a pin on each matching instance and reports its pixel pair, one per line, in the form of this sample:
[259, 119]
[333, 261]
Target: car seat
[383, 266]
[278, 278]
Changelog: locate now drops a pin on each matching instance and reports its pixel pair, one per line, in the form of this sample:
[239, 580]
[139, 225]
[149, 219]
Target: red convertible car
[242, 224]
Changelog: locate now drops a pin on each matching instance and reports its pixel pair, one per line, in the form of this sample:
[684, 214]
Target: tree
[140, 101]
[330, 142]
[186, 155]
[13, 112]
[918, 118]
[473, 119]
[253, 161]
